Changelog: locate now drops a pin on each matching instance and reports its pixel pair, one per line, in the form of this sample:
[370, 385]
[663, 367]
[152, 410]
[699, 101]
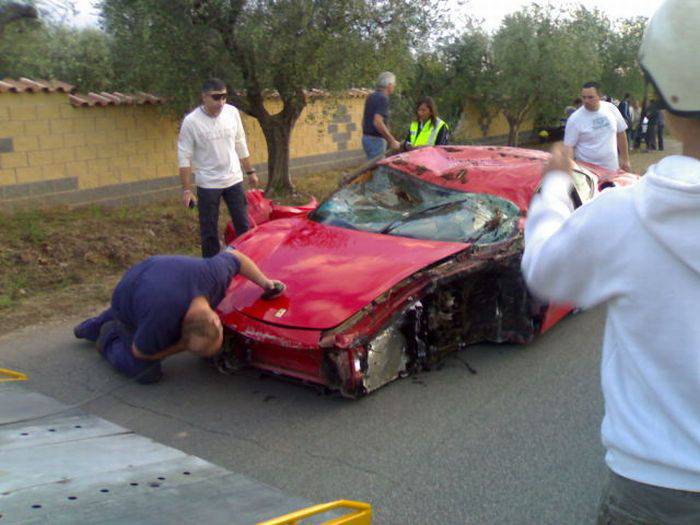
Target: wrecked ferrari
[416, 257]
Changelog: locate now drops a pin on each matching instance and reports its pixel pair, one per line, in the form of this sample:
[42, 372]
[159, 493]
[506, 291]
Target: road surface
[501, 434]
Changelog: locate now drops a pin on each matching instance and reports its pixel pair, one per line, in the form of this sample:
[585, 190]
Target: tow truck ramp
[75, 468]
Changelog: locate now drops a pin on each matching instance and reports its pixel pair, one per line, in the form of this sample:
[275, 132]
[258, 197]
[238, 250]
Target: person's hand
[395, 145]
[625, 166]
[188, 199]
[273, 289]
[253, 179]
[559, 161]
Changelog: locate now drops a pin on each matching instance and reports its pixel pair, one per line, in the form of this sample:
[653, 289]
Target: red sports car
[413, 258]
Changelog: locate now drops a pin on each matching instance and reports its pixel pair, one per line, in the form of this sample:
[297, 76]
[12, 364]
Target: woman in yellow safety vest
[428, 129]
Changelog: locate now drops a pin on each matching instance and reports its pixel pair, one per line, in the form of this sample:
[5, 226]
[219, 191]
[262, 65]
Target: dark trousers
[651, 137]
[208, 200]
[660, 136]
[114, 341]
[628, 502]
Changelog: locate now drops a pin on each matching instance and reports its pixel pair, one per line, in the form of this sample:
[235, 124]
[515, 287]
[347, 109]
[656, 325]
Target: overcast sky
[491, 11]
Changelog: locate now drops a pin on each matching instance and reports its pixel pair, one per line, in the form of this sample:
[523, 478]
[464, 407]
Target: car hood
[330, 272]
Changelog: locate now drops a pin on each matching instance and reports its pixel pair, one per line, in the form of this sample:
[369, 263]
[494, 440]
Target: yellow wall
[102, 154]
[100, 146]
[110, 145]
[469, 130]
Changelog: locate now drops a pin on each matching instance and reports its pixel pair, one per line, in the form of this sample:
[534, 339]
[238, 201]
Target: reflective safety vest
[428, 134]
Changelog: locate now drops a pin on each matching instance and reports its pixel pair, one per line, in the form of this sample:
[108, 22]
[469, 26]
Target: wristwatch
[250, 172]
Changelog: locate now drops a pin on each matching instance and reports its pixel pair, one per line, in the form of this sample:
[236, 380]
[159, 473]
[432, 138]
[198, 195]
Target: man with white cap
[636, 249]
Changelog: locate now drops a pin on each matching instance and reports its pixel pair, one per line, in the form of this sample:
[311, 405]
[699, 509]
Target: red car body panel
[262, 210]
[345, 286]
[511, 173]
[291, 352]
[312, 259]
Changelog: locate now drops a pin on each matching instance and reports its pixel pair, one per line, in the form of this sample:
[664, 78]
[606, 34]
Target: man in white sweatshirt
[637, 250]
[212, 141]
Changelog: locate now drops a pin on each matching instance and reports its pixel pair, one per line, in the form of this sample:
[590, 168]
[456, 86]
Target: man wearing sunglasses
[212, 144]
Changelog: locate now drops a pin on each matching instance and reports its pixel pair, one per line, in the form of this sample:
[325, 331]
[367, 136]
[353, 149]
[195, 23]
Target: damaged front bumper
[473, 296]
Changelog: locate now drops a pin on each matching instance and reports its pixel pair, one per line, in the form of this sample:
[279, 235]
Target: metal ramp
[75, 468]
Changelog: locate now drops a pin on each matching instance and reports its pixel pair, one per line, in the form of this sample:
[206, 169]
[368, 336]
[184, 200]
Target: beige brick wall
[54, 153]
[121, 148]
[53, 140]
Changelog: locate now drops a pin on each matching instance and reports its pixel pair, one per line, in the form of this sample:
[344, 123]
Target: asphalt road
[514, 440]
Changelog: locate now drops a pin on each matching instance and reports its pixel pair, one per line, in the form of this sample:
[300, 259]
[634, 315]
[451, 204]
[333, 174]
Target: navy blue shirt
[154, 295]
[376, 103]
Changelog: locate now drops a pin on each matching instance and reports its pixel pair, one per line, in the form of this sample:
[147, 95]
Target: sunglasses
[218, 96]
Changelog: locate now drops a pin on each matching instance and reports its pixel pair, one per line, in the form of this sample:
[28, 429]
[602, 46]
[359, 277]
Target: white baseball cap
[670, 56]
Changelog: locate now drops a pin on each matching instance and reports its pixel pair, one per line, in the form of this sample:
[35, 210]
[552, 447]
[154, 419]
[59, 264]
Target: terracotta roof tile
[103, 98]
[27, 85]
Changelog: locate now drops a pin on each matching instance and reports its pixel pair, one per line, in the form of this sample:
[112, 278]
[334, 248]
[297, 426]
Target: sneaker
[88, 329]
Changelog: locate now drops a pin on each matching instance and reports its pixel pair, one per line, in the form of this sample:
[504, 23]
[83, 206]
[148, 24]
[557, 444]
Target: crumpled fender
[262, 209]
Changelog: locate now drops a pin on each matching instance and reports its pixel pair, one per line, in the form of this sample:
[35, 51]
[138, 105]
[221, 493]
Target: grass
[65, 262]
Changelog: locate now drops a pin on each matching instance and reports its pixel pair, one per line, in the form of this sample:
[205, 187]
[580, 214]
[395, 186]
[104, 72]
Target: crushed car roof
[511, 173]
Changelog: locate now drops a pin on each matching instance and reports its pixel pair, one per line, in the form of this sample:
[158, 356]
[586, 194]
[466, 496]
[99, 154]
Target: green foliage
[531, 67]
[170, 46]
[49, 50]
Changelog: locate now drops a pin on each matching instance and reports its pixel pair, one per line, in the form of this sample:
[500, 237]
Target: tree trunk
[513, 128]
[277, 136]
[484, 125]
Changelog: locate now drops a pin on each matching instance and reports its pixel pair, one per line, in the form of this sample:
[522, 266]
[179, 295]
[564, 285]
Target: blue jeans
[373, 146]
[208, 200]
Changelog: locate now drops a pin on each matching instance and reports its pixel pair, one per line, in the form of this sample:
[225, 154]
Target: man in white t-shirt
[212, 143]
[595, 132]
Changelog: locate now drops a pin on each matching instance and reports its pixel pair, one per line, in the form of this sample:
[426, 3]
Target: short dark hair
[213, 84]
[627, 95]
[578, 101]
[198, 326]
[589, 85]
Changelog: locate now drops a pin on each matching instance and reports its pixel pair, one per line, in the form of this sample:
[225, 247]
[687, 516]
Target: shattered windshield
[390, 202]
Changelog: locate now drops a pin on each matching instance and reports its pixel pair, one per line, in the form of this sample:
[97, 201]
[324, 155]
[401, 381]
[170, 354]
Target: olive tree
[290, 46]
[518, 59]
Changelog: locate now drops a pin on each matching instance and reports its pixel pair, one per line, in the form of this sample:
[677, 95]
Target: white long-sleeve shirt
[637, 250]
[213, 147]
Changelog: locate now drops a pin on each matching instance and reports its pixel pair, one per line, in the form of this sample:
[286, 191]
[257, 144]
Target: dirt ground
[62, 263]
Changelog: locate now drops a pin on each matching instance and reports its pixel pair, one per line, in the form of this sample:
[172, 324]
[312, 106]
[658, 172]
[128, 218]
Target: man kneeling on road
[163, 306]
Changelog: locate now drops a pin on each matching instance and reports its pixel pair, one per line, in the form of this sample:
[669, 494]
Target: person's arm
[172, 349]
[250, 270]
[561, 262]
[381, 127]
[242, 151]
[623, 149]
[185, 149]
[406, 144]
[622, 144]
[250, 172]
[443, 136]
[570, 138]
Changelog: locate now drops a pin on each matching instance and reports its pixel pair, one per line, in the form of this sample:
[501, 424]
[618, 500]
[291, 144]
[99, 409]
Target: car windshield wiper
[420, 213]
